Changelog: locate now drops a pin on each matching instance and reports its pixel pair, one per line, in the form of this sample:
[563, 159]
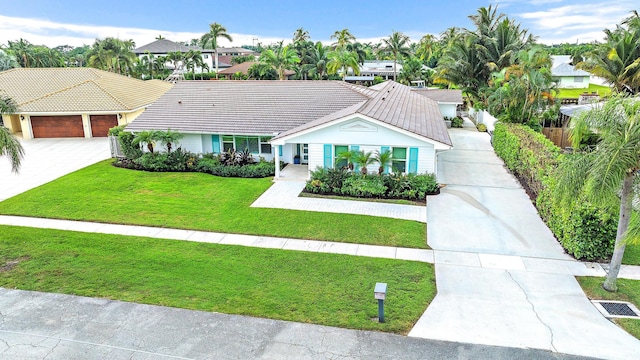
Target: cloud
[571, 23]
[51, 34]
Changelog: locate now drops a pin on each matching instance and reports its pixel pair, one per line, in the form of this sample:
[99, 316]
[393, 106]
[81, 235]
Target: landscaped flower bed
[381, 186]
[231, 163]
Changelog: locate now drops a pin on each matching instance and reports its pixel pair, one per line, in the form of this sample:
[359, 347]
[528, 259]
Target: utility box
[380, 291]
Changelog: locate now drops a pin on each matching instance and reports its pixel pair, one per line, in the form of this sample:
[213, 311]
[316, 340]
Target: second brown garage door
[57, 126]
[100, 124]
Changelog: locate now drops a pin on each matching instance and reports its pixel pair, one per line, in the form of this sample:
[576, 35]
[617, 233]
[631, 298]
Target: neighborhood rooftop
[452, 96]
[78, 89]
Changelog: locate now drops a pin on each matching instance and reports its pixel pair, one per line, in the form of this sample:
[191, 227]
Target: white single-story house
[312, 121]
[566, 75]
[74, 102]
[448, 99]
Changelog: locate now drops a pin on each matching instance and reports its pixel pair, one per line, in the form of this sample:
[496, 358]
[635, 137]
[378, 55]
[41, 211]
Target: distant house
[382, 68]
[243, 68]
[448, 99]
[163, 47]
[313, 121]
[74, 102]
[566, 75]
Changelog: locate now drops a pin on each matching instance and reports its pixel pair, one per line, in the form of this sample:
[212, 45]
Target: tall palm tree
[359, 49]
[606, 175]
[342, 61]
[319, 59]
[300, 35]
[342, 37]
[215, 31]
[9, 145]
[283, 58]
[23, 51]
[460, 66]
[397, 44]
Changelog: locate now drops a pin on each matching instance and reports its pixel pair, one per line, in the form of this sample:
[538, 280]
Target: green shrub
[482, 127]
[386, 186]
[257, 170]
[586, 232]
[363, 186]
[116, 130]
[129, 149]
[457, 122]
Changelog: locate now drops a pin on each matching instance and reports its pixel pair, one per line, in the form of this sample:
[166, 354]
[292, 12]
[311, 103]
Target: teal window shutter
[413, 160]
[279, 150]
[384, 149]
[216, 143]
[355, 148]
[328, 158]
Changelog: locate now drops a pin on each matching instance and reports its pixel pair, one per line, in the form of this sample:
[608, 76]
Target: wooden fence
[558, 135]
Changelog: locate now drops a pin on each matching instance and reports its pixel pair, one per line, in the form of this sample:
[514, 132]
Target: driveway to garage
[48, 159]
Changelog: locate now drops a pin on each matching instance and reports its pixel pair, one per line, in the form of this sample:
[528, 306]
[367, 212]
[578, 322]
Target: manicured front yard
[328, 289]
[601, 90]
[197, 201]
[628, 290]
[632, 255]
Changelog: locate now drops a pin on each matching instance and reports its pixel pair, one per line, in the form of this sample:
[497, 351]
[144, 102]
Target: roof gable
[163, 46]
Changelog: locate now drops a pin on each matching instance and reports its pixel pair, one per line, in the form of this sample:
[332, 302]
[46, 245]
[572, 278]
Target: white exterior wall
[568, 82]
[368, 137]
[190, 142]
[207, 143]
[447, 110]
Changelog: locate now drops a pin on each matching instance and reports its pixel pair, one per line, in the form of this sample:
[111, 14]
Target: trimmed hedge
[586, 232]
[387, 186]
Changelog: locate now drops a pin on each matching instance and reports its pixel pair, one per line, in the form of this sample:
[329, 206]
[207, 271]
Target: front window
[265, 147]
[399, 162]
[247, 142]
[578, 79]
[227, 142]
[340, 163]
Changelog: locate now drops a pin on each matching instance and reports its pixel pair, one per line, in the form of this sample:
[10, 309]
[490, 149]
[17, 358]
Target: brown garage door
[100, 124]
[57, 126]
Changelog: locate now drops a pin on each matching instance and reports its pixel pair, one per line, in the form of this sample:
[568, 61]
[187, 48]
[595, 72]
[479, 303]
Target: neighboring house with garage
[313, 121]
[74, 102]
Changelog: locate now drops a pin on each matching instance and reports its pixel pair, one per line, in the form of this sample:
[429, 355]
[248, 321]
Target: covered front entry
[57, 126]
[302, 150]
[100, 124]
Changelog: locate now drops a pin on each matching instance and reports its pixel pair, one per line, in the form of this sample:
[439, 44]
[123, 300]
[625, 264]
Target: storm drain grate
[617, 309]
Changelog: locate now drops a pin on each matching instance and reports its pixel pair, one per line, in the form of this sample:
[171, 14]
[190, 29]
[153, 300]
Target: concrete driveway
[485, 231]
[48, 159]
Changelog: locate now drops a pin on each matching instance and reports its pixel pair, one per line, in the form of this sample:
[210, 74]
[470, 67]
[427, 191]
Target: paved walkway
[284, 195]
[48, 159]
[522, 303]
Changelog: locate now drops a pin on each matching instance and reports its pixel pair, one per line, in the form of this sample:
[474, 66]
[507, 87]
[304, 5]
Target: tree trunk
[623, 223]
[395, 60]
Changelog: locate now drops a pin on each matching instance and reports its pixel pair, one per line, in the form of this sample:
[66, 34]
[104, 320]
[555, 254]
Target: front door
[305, 154]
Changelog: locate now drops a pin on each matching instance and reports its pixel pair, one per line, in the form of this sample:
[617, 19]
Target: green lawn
[197, 201]
[628, 290]
[632, 255]
[328, 289]
[603, 91]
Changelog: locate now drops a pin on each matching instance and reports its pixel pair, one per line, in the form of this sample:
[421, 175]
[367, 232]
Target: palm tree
[412, 70]
[23, 51]
[168, 138]
[364, 159]
[358, 49]
[215, 31]
[300, 35]
[177, 58]
[319, 59]
[347, 157]
[427, 48]
[606, 174]
[384, 159]
[343, 37]
[148, 137]
[283, 58]
[342, 60]
[9, 145]
[397, 44]
[460, 66]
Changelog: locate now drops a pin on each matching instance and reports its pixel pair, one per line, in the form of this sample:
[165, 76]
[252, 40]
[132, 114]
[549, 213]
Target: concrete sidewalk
[484, 210]
[284, 195]
[37, 325]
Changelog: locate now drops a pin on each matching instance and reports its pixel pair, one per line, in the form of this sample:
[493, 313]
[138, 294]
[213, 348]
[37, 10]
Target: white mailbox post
[380, 293]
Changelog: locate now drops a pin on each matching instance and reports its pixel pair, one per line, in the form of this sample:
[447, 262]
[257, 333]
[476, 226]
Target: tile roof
[396, 105]
[441, 95]
[163, 46]
[49, 90]
[288, 107]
